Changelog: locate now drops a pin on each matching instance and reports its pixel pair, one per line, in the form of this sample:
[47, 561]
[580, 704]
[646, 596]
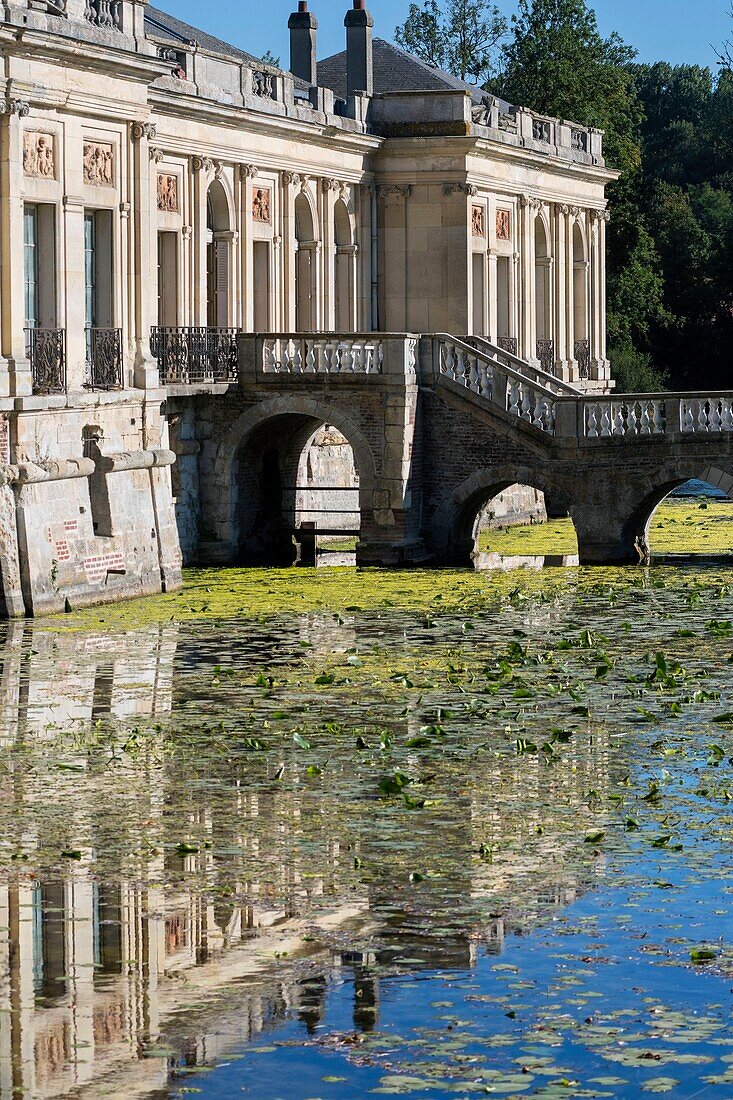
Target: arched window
[218, 258]
[305, 266]
[581, 351]
[545, 345]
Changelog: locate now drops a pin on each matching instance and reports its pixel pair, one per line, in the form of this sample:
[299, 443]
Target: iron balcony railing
[104, 359]
[46, 350]
[507, 343]
[582, 358]
[546, 355]
[195, 354]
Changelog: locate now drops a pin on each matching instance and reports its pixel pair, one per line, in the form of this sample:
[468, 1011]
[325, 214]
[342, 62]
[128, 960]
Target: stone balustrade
[317, 353]
[495, 381]
[632, 415]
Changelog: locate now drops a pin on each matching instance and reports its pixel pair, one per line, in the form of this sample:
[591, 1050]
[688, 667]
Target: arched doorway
[545, 350]
[296, 492]
[218, 258]
[581, 349]
[344, 270]
[305, 266]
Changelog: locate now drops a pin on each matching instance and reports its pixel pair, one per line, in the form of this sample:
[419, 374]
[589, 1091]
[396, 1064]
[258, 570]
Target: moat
[331, 833]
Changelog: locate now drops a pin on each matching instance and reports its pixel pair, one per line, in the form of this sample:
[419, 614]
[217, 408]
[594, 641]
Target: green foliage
[557, 62]
[268, 58]
[462, 39]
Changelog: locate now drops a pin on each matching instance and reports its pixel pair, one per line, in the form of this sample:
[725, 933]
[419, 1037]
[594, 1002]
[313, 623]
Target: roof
[395, 70]
[161, 26]
[158, 24]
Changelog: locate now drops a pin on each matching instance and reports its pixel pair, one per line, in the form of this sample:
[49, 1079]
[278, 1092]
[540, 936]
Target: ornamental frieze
[39, 155]
[98, 164]
[168, 193]
[478, 221]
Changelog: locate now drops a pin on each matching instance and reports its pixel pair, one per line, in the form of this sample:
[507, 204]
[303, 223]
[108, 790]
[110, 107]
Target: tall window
[97, 272]
[30, 245]
[167, 279]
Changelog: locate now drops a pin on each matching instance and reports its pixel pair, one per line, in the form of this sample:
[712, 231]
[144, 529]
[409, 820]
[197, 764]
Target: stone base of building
[86, 511]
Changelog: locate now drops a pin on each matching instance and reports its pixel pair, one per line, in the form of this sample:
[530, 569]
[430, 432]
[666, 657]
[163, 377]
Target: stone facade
[160, 192]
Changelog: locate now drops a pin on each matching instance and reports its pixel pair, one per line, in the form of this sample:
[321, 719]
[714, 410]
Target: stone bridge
[438, 426]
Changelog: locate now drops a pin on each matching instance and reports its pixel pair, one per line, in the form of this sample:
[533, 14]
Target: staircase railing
[534, 374]
[510, 390]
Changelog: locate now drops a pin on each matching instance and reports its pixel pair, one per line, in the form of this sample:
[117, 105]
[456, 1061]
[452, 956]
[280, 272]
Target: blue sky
[674, 30]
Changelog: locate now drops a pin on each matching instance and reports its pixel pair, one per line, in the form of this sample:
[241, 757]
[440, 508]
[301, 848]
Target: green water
[335, 833]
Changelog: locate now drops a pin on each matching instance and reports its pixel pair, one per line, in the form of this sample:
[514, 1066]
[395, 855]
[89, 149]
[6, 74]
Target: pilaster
[144, 270]
[15, 369]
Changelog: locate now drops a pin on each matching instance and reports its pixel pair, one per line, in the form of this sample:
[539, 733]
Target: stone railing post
[249, 357]
[673, 415]
[568, 418]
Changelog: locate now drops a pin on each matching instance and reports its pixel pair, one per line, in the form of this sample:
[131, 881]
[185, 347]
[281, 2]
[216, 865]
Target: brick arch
[254, 419]
[671, 479]
[459, 517]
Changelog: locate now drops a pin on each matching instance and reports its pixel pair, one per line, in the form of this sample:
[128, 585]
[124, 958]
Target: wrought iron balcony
[582, 357]
[188, 356]
[46, 350]
[546, 355]
[104, 359]
[507, 343]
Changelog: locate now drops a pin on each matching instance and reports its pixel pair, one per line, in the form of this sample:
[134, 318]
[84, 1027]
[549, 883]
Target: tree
[268, 58]
[463, 39]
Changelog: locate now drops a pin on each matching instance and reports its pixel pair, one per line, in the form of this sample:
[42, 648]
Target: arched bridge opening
[296, 496]
[492, 517]
[686, 518]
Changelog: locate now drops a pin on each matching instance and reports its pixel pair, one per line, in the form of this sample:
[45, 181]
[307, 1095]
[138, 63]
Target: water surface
[334, 834]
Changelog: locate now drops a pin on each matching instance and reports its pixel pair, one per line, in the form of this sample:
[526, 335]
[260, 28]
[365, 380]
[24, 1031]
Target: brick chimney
[359, 60]
[303, 26]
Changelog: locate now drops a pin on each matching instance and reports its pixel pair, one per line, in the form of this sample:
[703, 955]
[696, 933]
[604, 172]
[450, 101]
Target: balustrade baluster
[619, 424]
[645, 421]
[514, 397]
[702, 416]
[660, 421]
[591, 421]
[726, 416]
[473, 376]
[527, 403]
[606, 428]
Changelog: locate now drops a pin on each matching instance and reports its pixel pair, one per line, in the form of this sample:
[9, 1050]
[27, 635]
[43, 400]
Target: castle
[162, 193]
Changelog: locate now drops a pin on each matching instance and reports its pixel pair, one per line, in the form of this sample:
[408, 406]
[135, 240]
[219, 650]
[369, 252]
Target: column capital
[19, 107]
[143, 131]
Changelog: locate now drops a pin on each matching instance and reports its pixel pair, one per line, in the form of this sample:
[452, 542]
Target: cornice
[243, 118]
[90, 56]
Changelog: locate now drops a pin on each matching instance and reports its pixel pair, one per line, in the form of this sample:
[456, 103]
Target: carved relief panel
[98, 164]
[503, 225]
[478, 221]
[39, 155]
[261, 205]
[168, 193]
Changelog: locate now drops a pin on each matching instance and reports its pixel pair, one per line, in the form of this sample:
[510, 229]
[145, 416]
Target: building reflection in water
[108, 982]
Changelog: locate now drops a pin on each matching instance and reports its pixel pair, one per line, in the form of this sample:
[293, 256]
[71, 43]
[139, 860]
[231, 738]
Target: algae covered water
[346, 833]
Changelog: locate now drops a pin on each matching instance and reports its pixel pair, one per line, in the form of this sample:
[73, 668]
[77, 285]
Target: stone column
[363, 197]
[289, 182]
[186, 277]
[15, 369]
[202, 168]
[527, 331]
[327, 314]
[491, 294]
[559, 290]
[597, 316]
[247, 173]
[144, 277]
